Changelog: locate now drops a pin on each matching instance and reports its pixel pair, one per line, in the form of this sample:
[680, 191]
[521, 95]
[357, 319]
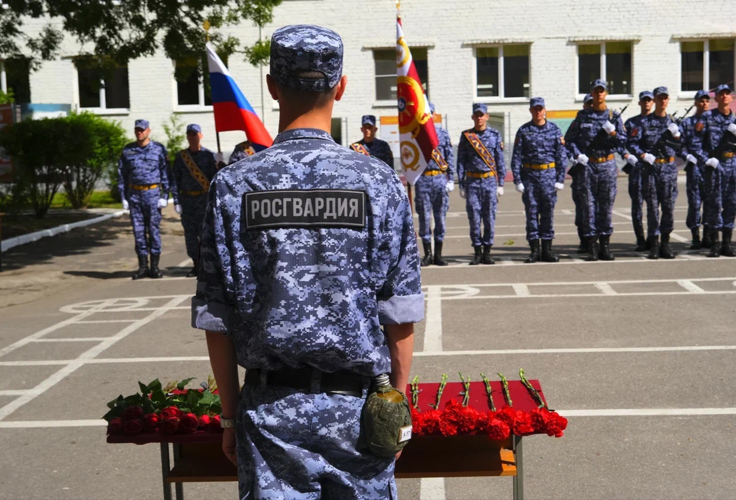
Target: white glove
[559, 186]
[126, 205]
[631, 160]
[732, 128]
[609, 127]
[712, 162]
[450, 186]
[177, 208]
[499, 191]
[649, 158]
[520, 188]
[674, 130]
[691, 159]
[462, 193]
[218, 157]
[162, 202]
[582, 159]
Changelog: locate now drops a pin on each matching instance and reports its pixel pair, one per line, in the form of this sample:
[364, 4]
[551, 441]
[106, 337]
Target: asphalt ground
[638, 354]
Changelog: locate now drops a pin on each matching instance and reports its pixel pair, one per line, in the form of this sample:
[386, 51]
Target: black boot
[653, 248]
[193, 273]
[706, 243]
[715, 245]
[142, 271]
[534, 256]
[641, 242]
[696, 238]
[427, 260]
[592, 249]
[547, 255]
[155, 271]
[487, 259]
[726, 248]
[438, 260]
[478, 256]
[605, 251]
[664, 249]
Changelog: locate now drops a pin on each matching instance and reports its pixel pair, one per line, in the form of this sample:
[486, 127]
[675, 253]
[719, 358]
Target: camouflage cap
[141, 124]
[300, 48]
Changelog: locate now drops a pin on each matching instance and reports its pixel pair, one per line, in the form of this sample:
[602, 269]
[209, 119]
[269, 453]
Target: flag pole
[206, 25]
[408, 184]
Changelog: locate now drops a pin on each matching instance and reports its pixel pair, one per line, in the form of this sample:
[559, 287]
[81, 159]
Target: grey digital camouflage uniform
[301, 47]
[431, 193]
[379, 149]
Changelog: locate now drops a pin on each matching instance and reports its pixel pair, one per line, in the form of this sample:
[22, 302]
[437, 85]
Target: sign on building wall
[6, 118]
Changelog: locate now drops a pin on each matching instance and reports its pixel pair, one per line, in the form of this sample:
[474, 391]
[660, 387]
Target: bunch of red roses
[170, 420]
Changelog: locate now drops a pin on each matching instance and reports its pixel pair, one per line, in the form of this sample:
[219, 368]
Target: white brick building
[499, 52]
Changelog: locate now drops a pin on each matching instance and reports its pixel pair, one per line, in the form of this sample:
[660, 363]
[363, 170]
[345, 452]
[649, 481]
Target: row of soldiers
[648, 142]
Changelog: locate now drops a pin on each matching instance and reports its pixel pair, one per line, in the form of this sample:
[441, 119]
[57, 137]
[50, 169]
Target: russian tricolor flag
[232, 109]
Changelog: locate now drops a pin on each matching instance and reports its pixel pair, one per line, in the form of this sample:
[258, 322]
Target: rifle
[595, 143]
[679, 120]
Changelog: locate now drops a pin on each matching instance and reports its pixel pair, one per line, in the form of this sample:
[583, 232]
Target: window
[705, 64]
[14, 77]
[385, 63]
[192, 89]
[109, 92]
[502, 71]
[610, 61]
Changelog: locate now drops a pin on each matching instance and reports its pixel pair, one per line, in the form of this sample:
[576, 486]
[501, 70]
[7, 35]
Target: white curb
[31, 237]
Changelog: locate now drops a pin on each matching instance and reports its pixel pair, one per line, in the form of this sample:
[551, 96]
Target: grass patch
[99, 199]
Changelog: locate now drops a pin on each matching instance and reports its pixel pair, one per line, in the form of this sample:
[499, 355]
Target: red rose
[132, 427]
[215, 424]
[523, 424]
[188, 423]
[132, 413]
[204, 421]
[169, 425]
[115, 427]
[497, 429]
[171, 412]
[151, 422]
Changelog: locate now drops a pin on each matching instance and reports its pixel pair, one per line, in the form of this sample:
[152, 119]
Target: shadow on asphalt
[101, 275]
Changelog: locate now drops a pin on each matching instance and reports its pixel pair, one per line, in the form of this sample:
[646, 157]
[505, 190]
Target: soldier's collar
[302, 133]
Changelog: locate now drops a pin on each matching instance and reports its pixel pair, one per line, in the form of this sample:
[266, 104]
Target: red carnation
[171, 412]
[556, 425]
[169, 425]
[115, 427]
[188, 423]
[215, 424]
[132, 427]
[132, 413]
[430, 422]
[507, 415]
[540, 418]
[497, 429]
[204, 421]
[151, 422]
[523, 424]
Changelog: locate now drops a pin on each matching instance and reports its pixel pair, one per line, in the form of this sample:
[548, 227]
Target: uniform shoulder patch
[317, 208]
[633, 132]
[699, 126]
[562, 140]
[501, 144]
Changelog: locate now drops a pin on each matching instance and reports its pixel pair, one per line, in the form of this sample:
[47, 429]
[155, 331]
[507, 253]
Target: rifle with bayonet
[659, 149]
[602, 134]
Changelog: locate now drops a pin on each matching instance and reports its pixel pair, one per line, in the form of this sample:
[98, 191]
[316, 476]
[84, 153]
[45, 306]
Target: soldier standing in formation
[143, 181]
[242, 150]
[592, 140]
[693, 129]
[432, 196]
[481, 169]
[633, 170]
[310, 280]
[370, 145]
[193, 171]
[578, 183]
[538, 165]
[656, 142]
[718, 152]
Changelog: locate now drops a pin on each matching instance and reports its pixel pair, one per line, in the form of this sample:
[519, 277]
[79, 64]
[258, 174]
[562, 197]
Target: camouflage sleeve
[462, 159]
[448, 152]
[121, 177]
[500, 161]
[700, 149]
[618, 139]
[516, 156]
[165, 170]
[213, 307]
[389, 156]
[560, 156]
[571, 138]
[400, 297]
[237, 155]
[176, 173]
[633, 142]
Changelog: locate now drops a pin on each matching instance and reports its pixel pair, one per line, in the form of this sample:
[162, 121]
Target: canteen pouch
[385, 425]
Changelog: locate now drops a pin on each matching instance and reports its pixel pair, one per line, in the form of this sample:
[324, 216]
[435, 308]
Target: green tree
[7, 98]
[175, 136]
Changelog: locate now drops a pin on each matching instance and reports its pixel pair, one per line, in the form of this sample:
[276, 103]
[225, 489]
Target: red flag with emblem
[417, 135]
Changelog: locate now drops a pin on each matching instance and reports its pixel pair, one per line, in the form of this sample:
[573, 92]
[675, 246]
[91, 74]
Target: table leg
[519, 478]
[165, 468]
[179, 487]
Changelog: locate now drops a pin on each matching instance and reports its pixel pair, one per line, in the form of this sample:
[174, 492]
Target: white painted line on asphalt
[521, 290]
[648, 412]
[100, 321]
[432, 488]
[43, 362]
[605, 288]
[580, 295]
[567, 212]
[679, 238]
[516, 235]
[576, 261]
[50, 424]
[581, 350]
[186, 263]
[690, 286]
[616, 212]
[82, 339]
[433, 320]
[12, 392]
[614, 282]
[689, 256]
[97, 361]
[507, 262]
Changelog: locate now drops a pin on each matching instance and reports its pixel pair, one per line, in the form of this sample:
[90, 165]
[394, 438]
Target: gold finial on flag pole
[206, 25]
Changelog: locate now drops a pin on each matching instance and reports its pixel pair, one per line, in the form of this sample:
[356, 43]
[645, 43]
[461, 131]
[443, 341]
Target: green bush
[175, 136]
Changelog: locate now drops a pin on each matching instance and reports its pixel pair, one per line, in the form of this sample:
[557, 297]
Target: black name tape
[308, 208]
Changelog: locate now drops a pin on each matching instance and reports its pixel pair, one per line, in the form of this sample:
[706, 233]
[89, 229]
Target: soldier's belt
[542, 166]
[602, 159]
[729, 155]
[664, 160]
[142, 187]
[431, 172]
[479, 175]
[308, 380]
[193, 193]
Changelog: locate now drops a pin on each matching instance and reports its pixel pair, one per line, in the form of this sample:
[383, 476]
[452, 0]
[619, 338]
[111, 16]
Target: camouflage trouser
[539, 200]
[297, 446]
[192, 218]
[599, 194]
[694, 189]
[637, 198]
[146, 217]
[431, 198]
[480, 203]
[576, 188]
[660, 190]
[719, 207]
